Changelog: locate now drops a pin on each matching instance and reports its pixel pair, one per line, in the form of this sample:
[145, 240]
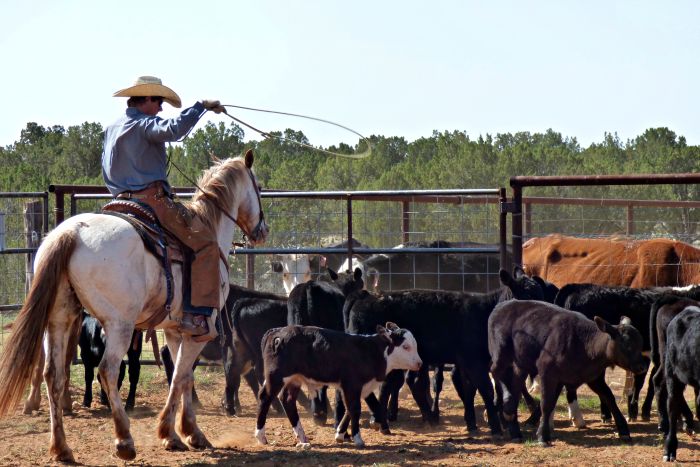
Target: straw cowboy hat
[151, 86]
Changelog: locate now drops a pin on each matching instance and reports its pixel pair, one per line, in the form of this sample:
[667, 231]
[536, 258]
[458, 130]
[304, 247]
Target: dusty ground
[25, 438]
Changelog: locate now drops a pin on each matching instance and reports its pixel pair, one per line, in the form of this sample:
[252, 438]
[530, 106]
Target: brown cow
[634, 263]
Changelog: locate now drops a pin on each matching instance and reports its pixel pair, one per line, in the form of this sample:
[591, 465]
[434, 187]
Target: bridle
[257, 230]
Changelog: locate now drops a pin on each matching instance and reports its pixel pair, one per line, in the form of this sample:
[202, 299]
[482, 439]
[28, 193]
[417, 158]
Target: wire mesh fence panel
[634, 229]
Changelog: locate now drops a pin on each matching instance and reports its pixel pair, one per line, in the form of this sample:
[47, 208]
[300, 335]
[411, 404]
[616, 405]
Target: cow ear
[358, 274]
[382, 331]
[323, 261]
[332, 273]
[605, 326]
[506, 278]
[626, 321]
[391, 326]
[518, 272]
[276, 266]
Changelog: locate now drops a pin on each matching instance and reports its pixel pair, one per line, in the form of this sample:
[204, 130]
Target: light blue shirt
[134, 148]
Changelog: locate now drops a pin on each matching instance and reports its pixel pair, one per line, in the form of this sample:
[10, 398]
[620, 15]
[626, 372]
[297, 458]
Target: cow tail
[23, 348]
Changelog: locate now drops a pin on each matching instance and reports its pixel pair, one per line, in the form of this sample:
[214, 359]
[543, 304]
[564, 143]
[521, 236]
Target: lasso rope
[361, 155]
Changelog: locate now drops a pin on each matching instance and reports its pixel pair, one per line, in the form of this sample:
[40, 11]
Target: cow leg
[319, 406]
[352, 398]
[510, 385]
[89, 378]
[437, 381]
[379, 411]
[419, 383]
[675, 392]
[234, 366]
[269, 390]
[388, 393]
[134, 357]
[466, 392]
[649, 398]
[661, 398]
[575, 414]
[478, 374]
[533, 406]
[606, 396]
[289, 401]
[550, 390]
[633, 398]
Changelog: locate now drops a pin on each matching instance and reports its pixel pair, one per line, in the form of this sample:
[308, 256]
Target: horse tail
[23, 348]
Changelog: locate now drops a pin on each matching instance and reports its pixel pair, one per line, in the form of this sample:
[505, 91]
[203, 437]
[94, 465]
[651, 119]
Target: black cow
[314, 357]
[681, 368]
[320, 303]
[662, 312]
[220, 349]
[530, 338]
[92, 349]
[450, 327]
[611, 303]
[439, 271]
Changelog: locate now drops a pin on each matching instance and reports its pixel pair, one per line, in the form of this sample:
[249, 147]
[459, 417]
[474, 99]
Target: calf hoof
[64, 454]
[662, 427]
[689, 427]
[303, 446]
[669, 458]
[472, 430]
[374, 424]
[260, 436]
[392, 415]
[174, 444]
[626, 439]
[631, 418]
[198, 441]
[320, 419]
[498, 438]
[646, 417]
[125, 449]
[342, 437]
[129, 407]
[544, 444]
[606, 418]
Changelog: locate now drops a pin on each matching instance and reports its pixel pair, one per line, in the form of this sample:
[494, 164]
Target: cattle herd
[575, 308]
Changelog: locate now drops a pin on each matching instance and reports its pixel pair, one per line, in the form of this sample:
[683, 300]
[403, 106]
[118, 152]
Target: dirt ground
[90, 435]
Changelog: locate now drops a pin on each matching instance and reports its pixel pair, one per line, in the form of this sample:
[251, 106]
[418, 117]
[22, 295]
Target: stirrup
[211, 324]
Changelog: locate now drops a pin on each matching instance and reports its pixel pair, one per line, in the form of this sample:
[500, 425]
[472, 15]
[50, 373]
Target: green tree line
[450, 159]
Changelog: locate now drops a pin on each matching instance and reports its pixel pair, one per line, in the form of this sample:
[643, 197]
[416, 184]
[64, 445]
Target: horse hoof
[199, 441]
[64, 455]
[174, 444]
[125, 449]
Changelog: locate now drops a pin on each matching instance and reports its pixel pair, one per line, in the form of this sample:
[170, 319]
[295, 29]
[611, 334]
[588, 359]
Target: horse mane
[220, 181]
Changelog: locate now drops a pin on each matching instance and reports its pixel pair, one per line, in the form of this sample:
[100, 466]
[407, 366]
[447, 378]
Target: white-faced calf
[296, 356]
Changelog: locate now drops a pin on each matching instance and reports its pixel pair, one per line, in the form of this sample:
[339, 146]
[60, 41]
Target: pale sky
[391, 68]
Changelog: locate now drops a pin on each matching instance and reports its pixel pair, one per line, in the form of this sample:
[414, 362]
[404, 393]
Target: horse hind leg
[58, 337]
[34, 398]
[118, 342]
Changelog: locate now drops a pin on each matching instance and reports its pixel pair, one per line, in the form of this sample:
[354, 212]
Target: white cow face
[295, 269]
[403, 353]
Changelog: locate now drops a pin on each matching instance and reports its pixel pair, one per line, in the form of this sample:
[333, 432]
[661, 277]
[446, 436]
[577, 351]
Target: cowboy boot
[211, 334]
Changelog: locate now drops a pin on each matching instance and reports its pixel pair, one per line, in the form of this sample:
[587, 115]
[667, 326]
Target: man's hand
[213, 105]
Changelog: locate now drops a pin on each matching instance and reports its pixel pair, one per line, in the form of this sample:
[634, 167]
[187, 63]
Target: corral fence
[473, 221]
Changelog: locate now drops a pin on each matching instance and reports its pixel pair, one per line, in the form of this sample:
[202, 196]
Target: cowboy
[134, 166]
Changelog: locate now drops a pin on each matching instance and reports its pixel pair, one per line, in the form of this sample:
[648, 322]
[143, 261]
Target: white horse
[99, 262]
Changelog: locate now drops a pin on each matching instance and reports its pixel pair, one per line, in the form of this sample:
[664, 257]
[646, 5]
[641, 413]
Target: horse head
[230, 188]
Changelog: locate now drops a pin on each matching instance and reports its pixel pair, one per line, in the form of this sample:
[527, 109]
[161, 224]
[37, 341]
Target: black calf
[92, 348]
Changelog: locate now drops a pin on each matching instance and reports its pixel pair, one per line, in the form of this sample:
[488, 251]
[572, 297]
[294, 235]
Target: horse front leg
[118, 342]
[186, 352]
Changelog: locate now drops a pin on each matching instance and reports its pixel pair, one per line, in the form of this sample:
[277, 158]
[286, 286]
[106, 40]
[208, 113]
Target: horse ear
[249, 158]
